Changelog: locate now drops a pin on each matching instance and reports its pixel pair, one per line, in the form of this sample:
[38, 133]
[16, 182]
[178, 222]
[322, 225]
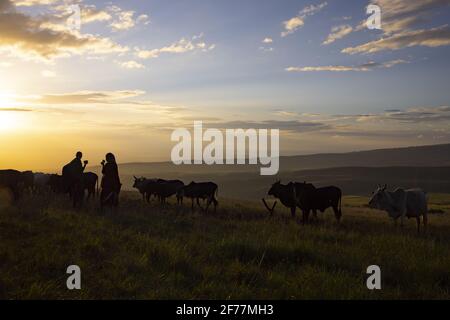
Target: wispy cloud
[181, 46]
[338, 32]
[434, 37]
[293, 24]
[400, 20]
[86, 97]
[126, 19]
[340, 68]
[130, 64]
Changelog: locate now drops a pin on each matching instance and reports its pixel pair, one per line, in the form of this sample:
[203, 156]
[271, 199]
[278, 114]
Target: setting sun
[10, 121]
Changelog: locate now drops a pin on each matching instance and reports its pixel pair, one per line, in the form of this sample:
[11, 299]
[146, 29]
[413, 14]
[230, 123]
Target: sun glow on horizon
[10, 121]
[10, 117]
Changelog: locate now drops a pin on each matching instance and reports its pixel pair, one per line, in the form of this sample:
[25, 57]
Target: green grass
[145, 252]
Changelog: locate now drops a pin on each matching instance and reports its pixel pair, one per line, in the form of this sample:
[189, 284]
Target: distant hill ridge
[420, 156]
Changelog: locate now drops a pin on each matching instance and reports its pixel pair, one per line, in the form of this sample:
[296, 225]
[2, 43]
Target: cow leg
[305, 217]
[198, 203]
[293, 209]
[425, 222]
[215, 204]
[207, 205]
[192, 204]
[336, 213]
[402, 220]
[418, 224]
[315, 214]
[396, 222]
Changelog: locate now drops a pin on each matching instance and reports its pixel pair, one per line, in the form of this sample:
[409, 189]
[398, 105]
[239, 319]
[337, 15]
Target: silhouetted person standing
[110, 183]
[73, 178]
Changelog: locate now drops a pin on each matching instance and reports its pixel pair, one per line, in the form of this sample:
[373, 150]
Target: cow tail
[97, 191]
[217, 192]
[340, 203]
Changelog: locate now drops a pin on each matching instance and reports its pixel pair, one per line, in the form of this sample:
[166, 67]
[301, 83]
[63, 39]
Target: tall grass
[147, 252]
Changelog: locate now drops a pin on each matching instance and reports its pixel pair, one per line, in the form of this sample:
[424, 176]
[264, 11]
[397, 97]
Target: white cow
[411, 203]
[41, 181]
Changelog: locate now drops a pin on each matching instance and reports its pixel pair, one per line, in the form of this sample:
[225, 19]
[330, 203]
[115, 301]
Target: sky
[136, 70]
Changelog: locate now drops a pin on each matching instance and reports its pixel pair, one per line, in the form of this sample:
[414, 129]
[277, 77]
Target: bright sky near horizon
[138, 69]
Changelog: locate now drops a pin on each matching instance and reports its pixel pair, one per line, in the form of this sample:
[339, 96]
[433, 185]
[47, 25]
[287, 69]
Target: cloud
[89, 13]
[48, 74]
[143, 18]
[34, 38]
[428, 122]
[29, 3]
[400, 19]
[87, 97]
[181, 46]
[125, 20]
[339, 68]
[15, 110]
[269, 49]
[131, 64]
[288, 125]
[293, 24]
[338, 32]
[398, 15]
[267, 40]
[420, 114]
[434, 37]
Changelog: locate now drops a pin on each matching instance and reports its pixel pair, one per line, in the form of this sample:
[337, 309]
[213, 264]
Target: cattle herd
[163, 189]
[400, 203]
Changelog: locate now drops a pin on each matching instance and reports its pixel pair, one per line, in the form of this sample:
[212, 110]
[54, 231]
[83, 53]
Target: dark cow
[145, 187]
[202, 190]
[285, 193]
[14, 181]
[28, 180]
[55, 183]
[72, 180]
[90, 183]
[307, 197]
[165, 189]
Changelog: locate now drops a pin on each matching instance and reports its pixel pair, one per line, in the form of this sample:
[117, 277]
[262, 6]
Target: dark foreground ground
[146, 252]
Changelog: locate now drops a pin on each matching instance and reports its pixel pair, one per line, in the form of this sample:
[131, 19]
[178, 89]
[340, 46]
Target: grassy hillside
[352, 180]
[147, 252]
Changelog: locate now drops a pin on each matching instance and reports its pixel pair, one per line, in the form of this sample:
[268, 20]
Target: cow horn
[135, 178]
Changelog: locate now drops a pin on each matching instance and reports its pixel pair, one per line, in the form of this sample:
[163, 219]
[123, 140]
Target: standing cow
[14, 181]
[90, 183]
[28, 181]
[307, 197]
[140, 184]
[202, 190]
[400, 203]
[55, 183]
[165, 189]
[41, 182]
